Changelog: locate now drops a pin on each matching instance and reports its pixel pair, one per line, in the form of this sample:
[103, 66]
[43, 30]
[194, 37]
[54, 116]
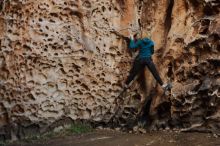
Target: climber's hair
[145, 34]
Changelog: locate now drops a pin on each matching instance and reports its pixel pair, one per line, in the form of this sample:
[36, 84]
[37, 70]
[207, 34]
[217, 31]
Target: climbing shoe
[167, 86]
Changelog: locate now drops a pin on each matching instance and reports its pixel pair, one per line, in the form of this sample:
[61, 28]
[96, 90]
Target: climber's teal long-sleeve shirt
[145, 45]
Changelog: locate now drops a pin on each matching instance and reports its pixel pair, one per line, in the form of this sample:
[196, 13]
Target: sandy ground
[113, 138]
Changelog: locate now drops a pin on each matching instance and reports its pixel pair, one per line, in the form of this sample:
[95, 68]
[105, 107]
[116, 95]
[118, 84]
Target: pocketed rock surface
[64, 61]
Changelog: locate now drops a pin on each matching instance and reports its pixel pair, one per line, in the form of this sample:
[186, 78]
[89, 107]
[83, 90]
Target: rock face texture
[63, 61]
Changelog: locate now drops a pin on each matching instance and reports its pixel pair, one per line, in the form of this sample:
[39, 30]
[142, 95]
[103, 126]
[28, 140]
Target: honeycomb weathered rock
[67, 60]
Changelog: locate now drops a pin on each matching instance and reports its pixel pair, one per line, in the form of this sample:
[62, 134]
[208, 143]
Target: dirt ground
[113, 138]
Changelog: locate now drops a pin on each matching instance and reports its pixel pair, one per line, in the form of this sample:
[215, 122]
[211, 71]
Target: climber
[146, 50]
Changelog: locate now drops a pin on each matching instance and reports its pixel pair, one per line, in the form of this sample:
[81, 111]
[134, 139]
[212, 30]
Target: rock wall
[189, 52]
[63, 61]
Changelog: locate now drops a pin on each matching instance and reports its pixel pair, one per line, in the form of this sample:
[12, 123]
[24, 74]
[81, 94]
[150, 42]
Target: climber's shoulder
[147, 40]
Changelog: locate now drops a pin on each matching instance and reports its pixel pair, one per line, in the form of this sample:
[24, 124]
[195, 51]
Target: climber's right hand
[131, 35]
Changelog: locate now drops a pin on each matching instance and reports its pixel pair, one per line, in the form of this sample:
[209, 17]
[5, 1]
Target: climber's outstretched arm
[134, 44]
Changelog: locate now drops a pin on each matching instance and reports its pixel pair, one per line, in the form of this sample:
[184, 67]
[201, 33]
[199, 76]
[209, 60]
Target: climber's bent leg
[137, 66]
